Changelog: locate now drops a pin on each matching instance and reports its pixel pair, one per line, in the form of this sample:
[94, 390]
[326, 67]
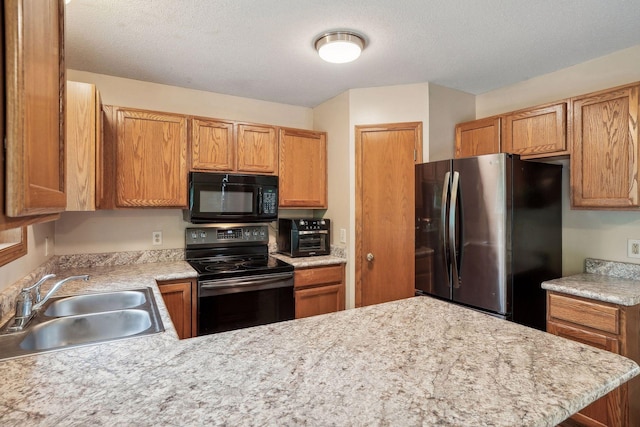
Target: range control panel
[224, 235]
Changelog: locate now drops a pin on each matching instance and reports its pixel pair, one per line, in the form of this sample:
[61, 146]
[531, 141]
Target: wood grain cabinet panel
[180, 298]
[151, 159]
[303, 169]
[608, 327]
[35, 90]
[84, 132]
[319, 290]
[257, 149]
[604, 160]
[212, 145]
[536, 132]
[478, 137]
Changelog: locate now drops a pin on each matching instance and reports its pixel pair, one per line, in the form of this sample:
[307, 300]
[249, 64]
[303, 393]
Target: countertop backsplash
[623, 270]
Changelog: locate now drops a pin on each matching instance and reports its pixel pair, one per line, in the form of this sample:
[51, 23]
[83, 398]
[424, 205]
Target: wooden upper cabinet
[536, 132]
[478, 137]
[84, 132]
[303, 169]
[35, 90]
[257, 149]
[604, 160]
[151, 159]
[227, 146]
[212, 145]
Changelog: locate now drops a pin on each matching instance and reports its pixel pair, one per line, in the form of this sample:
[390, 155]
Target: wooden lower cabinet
[609, 327]
[319, 290]
[180, 297]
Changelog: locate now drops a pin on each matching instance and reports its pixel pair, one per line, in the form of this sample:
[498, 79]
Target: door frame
[359, 130]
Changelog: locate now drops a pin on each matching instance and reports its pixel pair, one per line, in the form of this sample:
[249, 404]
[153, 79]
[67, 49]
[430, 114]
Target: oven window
[227, 312]
[226, 201]
[315, 243]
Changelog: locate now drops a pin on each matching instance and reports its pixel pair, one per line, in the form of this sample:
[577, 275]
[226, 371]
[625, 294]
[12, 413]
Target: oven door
[311, 243]
[228, 304]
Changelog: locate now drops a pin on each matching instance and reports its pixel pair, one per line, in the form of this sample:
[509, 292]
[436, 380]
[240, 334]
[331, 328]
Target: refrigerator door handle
[445, 197]
[452, 230]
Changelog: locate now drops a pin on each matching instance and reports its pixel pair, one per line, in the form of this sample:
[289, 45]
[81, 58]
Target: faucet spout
[57, 286]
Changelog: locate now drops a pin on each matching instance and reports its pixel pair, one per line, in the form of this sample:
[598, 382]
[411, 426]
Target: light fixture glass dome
[339, 47]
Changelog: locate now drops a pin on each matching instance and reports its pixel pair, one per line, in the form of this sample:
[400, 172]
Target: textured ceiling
[263, 49]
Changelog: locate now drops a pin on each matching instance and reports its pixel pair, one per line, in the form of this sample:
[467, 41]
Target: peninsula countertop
[418, 361]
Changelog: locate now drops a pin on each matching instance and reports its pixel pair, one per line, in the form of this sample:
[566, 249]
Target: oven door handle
[244, 284]
[303, 233]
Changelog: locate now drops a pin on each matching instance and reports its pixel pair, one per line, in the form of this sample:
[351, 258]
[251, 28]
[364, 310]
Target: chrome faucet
[25, 307]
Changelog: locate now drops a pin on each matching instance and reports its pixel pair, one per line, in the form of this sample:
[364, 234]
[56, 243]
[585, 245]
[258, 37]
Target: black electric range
[239, 283]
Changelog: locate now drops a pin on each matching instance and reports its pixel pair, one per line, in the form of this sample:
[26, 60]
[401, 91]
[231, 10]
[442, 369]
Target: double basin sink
[85, 319]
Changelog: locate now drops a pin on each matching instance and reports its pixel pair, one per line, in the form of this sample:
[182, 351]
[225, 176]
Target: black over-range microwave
[224, 197]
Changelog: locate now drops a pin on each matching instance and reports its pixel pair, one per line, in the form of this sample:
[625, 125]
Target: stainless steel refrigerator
[488, 233]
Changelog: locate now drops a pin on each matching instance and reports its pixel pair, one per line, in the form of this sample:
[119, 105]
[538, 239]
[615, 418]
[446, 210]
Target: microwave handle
[260, 201]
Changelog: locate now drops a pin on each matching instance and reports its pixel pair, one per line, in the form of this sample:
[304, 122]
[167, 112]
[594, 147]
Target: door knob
[369, 257]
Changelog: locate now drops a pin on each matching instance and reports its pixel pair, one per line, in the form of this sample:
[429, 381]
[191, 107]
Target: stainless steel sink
[92, 303]
[73, 321]
[81, 329]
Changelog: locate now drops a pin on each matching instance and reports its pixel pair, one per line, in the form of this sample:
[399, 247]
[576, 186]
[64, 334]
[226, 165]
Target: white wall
[447, 107]
[332, 117]
[130, 229]
[586, 233]
[36, 238]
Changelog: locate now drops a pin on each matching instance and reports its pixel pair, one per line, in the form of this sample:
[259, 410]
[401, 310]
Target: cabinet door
[212, 146]
[478, 137]
[303, 169]
[604, 159]
[319, 290]
[35, 90]
[83, 130]
[319, 300]
[151, 163]
[179, 299]
[536, 132]
[608, 410]
[257, 149]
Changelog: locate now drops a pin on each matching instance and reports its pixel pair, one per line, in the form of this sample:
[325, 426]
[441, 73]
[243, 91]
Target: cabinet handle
[369, 257]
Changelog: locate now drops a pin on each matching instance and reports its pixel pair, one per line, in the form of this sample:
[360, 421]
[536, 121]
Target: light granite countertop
[608, 281]
[418, 361]
[310, 261]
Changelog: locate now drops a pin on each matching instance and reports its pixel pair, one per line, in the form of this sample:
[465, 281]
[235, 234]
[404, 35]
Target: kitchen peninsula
[417, 361]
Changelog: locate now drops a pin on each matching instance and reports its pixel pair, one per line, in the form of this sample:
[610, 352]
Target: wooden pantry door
[385, 209]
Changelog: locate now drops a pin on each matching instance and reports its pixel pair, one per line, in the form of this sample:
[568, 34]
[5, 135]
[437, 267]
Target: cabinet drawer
[318, 275]
[587, 313]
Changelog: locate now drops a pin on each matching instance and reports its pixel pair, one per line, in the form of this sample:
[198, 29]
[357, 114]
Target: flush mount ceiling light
[339, 46]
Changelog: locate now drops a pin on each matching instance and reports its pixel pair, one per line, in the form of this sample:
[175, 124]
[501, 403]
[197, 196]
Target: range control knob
[302, 222]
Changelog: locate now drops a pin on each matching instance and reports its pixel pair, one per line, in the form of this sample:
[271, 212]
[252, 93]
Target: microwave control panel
[270, 201]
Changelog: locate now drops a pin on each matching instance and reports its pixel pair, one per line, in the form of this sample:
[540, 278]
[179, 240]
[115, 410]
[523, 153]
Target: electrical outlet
[633, 248]
[156, 237]
[46, 246]
[343, 235]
